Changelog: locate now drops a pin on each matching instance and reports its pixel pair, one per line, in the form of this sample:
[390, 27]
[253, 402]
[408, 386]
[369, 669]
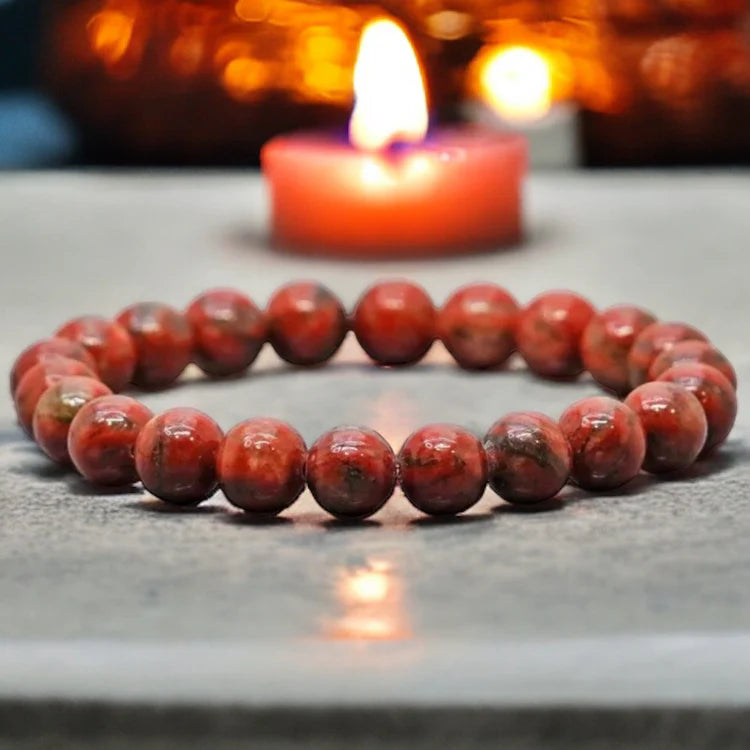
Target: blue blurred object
[32, 132]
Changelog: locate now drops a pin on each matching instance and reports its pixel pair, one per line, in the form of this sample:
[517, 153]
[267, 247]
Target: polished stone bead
[549, 333]
[607, 442]
[477, 326]
[685, 352]
[108, 343]
[715, 393]
[528, 457]
[442, 469]
[607, 341]
[394, 322]
[261, 465]
[175, 456]
[651, 342]
[47, 371]
[163, 342]
[674, 423]
[351, 472]
[306, 323]
[102, 436]
[228, 332]
[56, 409]
[40, 350]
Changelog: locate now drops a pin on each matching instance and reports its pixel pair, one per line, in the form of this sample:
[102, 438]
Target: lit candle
[394, 189]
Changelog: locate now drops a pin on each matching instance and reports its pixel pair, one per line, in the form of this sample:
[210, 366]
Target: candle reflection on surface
[371, 600]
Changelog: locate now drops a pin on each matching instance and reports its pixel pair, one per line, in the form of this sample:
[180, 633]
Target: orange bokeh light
[252, 10]
[517, 83]
[245, 77]
[187, 52]
[110, 33]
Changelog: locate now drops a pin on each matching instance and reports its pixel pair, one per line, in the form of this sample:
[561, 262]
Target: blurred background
[207, 82]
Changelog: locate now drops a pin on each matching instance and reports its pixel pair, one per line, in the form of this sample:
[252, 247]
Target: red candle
[455, 190]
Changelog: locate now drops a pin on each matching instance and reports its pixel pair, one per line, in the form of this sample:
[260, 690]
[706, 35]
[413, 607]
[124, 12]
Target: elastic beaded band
[679, 399]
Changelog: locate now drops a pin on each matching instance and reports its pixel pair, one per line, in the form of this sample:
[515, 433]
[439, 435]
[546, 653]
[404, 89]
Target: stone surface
[108, 343]
[163, 342]
[606, 440]
[306, 323]
[101, 439]
[606, 343]
[394, 322]
[175, 456]
[528, 456]
[626, 613]
[351, 472]
[229, 331]
[549, 333]
[442, 469]
[261, 465]
[477, 326]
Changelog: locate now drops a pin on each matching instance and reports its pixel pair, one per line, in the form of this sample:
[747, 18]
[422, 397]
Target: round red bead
[306, 323]
[102, 436]
[715, 393]
[40, 350]
[394, 322]
[607, 341]
[442, 469]
[163, 342]
[108, 343]
[529, 458]
[549, 333]
[48, 370]
[175, 456]
[652, 341]
[674, 424]
[228, 332]
[477, 326]
[685, 352]
[261, 465]
[351, 472]
[56, 409]
[607, 442]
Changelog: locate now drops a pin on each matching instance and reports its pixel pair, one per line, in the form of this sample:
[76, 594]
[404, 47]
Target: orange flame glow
[110, 32]
[516, 83]
[390, 104]
[371, 598]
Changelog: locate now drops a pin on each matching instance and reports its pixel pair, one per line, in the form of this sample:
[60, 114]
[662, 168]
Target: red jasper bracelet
[679, 399]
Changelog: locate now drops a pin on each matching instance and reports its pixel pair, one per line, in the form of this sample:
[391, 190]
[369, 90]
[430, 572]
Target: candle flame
[390, 100]
[516, 83]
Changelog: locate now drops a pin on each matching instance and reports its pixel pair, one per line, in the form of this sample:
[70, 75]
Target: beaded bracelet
[679, 399]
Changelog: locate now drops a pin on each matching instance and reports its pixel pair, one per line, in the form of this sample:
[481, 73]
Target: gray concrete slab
[634, 603]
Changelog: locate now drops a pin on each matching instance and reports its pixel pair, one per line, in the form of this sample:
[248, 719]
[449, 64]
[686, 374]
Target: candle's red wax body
[458, 191]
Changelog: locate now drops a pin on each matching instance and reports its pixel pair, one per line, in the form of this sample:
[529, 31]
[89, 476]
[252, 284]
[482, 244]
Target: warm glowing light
[371, 598]
[449, 24]
[390, 101]
[110, 32]
[243, 77]
[367, 586]
[187, 51]
[324, 56]
[516, 83]
[252, 10]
